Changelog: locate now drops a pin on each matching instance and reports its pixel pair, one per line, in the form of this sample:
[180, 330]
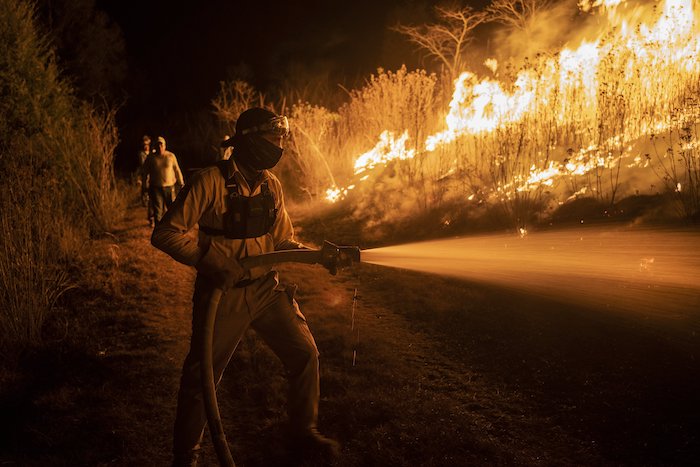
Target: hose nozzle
[334, 256]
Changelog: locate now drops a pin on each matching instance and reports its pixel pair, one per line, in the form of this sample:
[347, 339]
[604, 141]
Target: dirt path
[149, 342]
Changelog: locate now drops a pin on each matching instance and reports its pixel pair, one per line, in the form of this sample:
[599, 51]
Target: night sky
[178, 52]
[181, 50]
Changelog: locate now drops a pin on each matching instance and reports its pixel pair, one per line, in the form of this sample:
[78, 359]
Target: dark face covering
[256, 152]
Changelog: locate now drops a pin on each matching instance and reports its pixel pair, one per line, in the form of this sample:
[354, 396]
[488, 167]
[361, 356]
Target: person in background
[226, 149]
[143, 154]
[239, 207]
[145, 150]
[162, 179]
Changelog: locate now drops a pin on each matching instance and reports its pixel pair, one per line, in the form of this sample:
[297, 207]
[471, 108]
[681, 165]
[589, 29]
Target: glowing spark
[334, 194]
[491, 64]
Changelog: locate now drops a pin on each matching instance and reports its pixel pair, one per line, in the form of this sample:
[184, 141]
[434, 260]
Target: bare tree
[447, 39]
[233, 98]
[516, 14]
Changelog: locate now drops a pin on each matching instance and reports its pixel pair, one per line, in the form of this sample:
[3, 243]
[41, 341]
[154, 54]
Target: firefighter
[162, 179]
[239, 207]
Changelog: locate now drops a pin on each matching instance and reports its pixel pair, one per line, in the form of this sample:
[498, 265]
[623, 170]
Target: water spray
[637, 270]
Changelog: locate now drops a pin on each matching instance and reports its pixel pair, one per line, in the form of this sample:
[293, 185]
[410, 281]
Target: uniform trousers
[160, 199]
[272, 312]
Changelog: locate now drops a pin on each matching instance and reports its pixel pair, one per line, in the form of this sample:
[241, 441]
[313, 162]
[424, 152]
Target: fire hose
[330, 256]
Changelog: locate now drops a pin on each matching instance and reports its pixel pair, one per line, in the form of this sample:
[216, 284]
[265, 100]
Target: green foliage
[84, 149]
[56, 157]
[32, 93]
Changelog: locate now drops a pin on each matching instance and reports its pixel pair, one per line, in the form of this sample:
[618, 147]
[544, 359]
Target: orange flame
[656, 58]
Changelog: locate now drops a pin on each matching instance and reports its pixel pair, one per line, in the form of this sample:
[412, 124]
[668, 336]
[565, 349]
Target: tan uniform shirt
[161, 170]
[204, 203]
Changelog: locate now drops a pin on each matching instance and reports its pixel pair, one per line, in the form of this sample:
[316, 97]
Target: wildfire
[588, 5]
[388, 148]
[652, 61]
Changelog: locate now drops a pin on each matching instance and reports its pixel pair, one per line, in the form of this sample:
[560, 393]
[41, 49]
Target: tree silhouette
[446, 40]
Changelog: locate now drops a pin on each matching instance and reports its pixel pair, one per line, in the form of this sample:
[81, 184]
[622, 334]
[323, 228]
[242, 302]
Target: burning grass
[610, 114]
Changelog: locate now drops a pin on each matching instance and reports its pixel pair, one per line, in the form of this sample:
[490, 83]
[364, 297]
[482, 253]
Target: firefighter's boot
[313, 445]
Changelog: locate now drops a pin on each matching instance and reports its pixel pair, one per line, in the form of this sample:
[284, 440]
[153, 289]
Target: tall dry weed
[85, 157]
[401, 103]
[233, 98]
[313, 148]
[33, 255]
[677, 165]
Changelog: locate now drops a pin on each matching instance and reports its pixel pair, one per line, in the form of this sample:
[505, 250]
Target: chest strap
[245, 216]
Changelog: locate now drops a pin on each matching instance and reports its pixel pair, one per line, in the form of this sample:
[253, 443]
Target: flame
[335, 193]
[482, 106]
[491, 64]
[387, 149]
[588, 5]
[655, 59]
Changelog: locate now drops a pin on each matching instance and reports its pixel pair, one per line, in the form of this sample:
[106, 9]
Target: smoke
[547, 30]
[564, 24]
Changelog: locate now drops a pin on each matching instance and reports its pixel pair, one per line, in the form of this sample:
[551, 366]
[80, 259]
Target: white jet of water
[649, 270]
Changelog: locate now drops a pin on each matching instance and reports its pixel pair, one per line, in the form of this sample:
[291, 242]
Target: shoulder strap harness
[245, 216]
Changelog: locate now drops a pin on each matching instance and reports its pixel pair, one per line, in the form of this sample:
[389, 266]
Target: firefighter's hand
[334, 257]
[224, 272]
[329, 257]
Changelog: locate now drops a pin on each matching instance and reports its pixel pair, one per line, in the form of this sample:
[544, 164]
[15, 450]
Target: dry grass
[85, 157]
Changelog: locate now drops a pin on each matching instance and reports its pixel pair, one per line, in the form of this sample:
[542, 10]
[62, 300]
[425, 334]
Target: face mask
[257, 152]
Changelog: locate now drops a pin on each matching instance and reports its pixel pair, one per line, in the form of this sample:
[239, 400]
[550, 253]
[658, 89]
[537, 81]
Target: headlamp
[278, 126]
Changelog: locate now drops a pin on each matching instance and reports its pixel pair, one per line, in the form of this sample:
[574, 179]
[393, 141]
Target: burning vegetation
[610, 113]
